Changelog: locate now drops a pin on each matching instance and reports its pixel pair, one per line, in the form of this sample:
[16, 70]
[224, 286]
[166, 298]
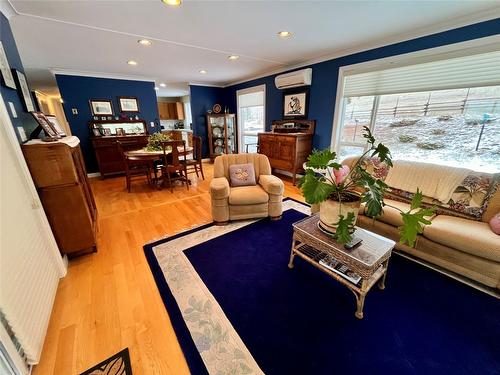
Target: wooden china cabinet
[221, 134]
[288, 145]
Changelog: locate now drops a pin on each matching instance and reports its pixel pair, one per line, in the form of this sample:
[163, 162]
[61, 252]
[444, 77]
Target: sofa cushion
[470, 199]
[392, 215]
[243, 195]
[469, 236]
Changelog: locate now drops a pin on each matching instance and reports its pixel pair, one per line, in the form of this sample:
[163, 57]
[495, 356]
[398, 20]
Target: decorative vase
[330, 210]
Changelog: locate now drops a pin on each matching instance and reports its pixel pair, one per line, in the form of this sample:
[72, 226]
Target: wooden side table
[369, 260]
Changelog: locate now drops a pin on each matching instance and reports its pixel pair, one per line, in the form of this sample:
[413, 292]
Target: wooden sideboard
[59, 174]
[108, 155]
[287, 147]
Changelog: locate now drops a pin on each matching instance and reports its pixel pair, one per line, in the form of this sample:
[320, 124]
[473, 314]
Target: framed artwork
[295, 103]
[101, 107]
[55, 124]
[44, 122]
[24, 90]
[7, 78]
[128, 104]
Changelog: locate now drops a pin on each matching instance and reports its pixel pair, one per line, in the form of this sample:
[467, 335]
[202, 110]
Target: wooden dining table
[157, 155]
[145, 154]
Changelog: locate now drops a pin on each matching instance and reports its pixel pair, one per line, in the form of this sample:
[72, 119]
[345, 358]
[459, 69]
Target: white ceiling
[100, 36]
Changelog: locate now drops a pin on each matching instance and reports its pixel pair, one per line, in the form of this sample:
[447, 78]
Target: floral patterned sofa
[459, 239]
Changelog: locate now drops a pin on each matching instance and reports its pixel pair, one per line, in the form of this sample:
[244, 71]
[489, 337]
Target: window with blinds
[445, 111]
[251, 116]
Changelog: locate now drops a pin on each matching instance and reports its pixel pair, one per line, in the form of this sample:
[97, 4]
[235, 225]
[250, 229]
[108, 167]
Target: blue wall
[24, 119]
[76, 92]
[202, 99]
[325, 76]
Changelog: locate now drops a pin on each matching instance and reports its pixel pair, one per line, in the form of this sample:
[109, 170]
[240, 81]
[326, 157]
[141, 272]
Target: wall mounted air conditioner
[294, 79]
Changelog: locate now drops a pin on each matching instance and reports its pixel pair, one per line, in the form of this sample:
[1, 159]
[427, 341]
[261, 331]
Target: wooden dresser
[108, 155]
[288, 144]
[58, 170]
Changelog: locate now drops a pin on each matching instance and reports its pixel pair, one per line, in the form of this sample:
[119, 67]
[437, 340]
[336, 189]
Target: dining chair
[173, 167]
[193, 164]
[134, 166]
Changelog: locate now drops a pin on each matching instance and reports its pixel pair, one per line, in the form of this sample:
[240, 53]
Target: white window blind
[477, 70]
[252, 99]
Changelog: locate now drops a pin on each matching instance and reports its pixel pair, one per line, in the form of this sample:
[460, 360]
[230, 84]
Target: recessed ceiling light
[172, 2]
[132, 62]
[157, 88]
[284, 34]
[163, 85]
[203, 71]
[144, 42]
[233, 57]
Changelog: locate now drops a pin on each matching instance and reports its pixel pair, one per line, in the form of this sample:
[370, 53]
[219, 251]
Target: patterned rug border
[188, 347]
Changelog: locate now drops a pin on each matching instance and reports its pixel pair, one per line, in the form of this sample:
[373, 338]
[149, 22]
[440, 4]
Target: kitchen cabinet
[171, 111]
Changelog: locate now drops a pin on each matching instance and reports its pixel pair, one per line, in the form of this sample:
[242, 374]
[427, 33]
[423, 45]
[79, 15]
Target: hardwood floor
[109, 300]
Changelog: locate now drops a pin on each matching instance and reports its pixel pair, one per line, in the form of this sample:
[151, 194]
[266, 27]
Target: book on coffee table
[335, 266]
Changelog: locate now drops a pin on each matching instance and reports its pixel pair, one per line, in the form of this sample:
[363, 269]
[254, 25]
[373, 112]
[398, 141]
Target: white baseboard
[92, 175]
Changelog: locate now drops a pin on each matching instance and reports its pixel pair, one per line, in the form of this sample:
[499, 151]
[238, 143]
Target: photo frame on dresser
[128, 104]
[23, 90]
[7, 78]
[296, 103]
[45, 124]
[101, 107]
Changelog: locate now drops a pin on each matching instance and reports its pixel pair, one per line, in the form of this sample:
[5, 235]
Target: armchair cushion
[242, 174]
[219, 188]
[246, 195]
[271, 184]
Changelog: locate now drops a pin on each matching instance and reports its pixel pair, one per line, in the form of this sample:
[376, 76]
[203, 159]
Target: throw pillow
[495, 224]
[242, 174]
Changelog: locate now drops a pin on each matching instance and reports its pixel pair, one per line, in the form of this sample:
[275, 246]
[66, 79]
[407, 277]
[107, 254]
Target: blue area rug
[300, 321]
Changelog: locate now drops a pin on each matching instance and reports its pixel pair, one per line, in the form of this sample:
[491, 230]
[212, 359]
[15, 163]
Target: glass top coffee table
[359, 268]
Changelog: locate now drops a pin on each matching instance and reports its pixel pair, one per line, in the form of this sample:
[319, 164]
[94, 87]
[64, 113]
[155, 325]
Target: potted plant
[340, 190]
[155, 140]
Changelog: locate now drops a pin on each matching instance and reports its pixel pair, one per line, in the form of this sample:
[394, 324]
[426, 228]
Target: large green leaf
[383, 153]
[416, 200]
[322, 159]
[413, 224]
[314, 188]
[344, 228]
[367, 134]
[373, 195]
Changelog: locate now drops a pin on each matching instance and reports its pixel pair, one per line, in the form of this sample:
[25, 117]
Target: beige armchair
[245, 202]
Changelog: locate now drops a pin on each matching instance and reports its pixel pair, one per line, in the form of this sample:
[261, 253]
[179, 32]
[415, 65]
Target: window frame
[248, 90]
[482, 45]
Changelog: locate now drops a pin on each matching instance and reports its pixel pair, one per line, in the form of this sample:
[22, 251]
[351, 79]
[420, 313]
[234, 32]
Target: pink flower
[341, 174]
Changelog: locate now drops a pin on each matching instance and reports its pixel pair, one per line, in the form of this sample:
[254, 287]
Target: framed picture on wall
[128, 104]
[7, 78]
[24, 91]
[101, 107]
[44, 122]
[295, 103]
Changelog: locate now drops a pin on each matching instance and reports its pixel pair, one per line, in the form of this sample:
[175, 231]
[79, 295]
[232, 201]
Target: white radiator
[30, 264]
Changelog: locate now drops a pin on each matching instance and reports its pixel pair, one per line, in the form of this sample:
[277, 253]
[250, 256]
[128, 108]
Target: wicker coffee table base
[360, 291]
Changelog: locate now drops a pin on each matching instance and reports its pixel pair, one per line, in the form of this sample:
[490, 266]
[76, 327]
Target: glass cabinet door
[231, 135]
[218, 134]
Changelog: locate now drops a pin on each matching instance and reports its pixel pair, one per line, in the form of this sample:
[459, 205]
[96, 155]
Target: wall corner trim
[83, 73]
[7, 9]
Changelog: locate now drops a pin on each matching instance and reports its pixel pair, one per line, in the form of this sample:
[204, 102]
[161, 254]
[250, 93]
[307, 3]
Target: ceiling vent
[294, 79]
